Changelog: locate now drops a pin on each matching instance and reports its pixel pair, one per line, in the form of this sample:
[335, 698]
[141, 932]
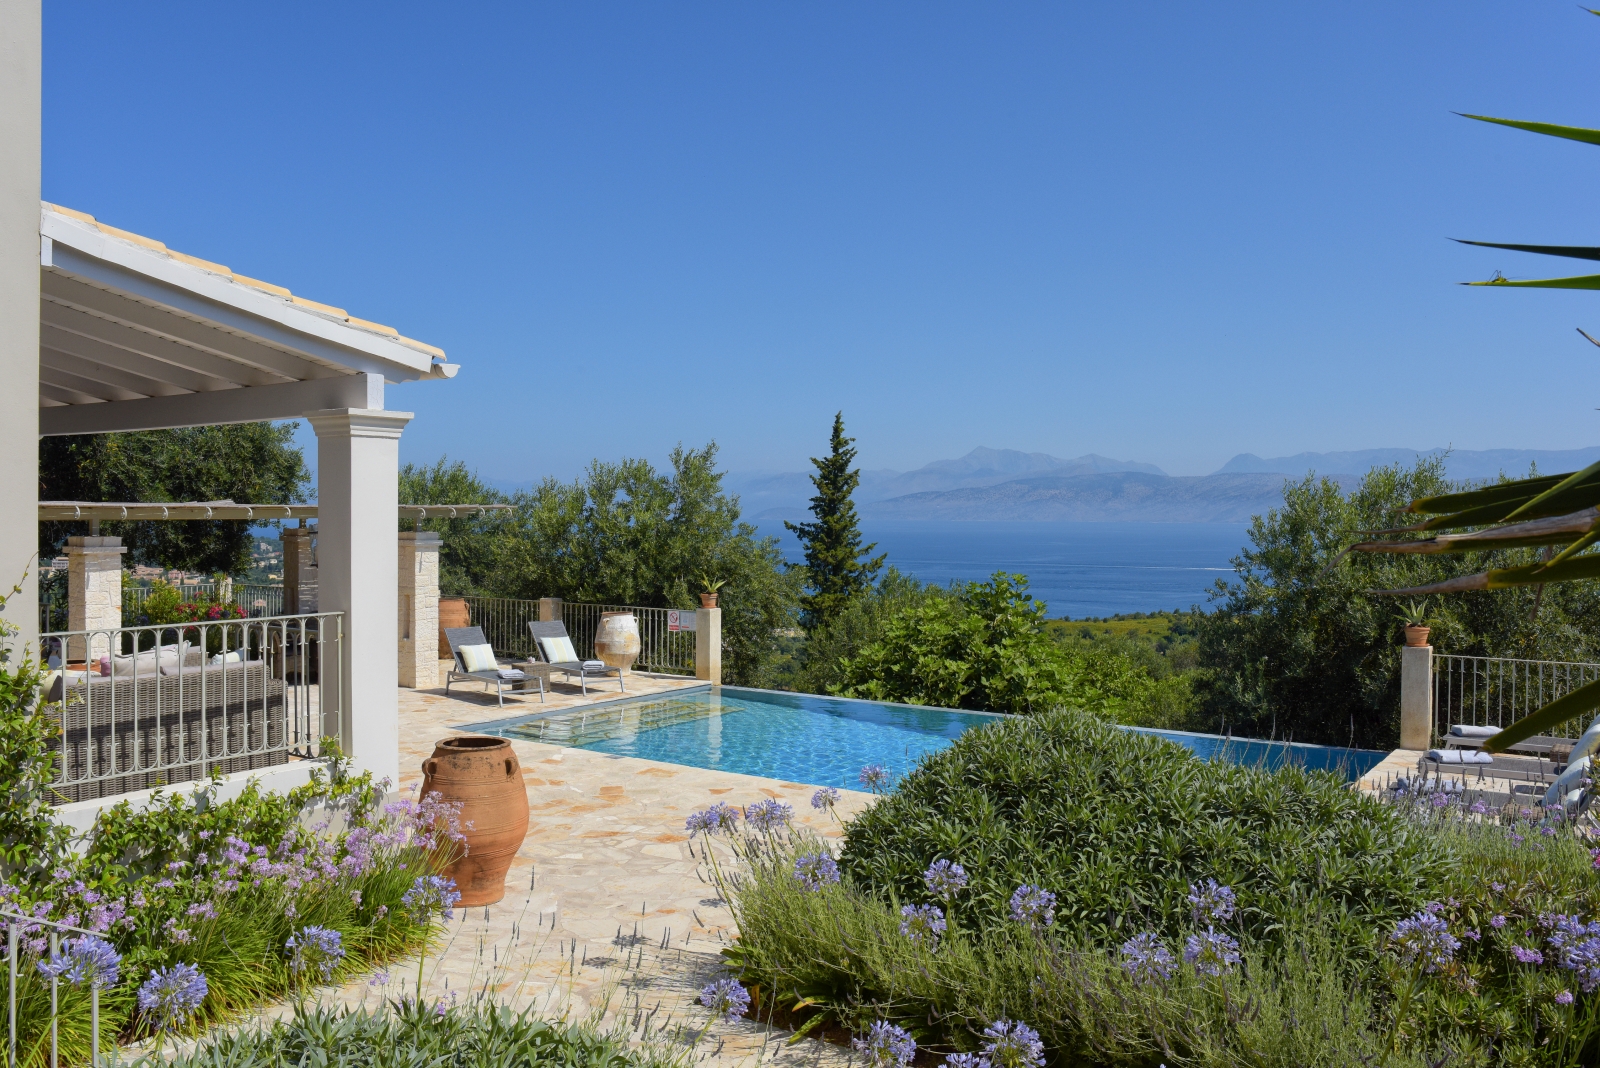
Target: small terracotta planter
[708, 600]
[484, 776]
[1416, 636]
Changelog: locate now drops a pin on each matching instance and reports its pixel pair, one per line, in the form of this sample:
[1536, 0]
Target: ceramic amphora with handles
[484, 776]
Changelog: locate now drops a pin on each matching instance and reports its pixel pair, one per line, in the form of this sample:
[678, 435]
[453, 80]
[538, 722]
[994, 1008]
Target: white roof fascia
[193, 291]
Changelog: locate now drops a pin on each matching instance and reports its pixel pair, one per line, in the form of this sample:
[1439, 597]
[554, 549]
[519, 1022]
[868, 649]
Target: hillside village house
[105, 330]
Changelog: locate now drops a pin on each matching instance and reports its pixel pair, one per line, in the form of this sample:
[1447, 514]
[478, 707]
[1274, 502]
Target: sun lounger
[473, 659]
[554, 653]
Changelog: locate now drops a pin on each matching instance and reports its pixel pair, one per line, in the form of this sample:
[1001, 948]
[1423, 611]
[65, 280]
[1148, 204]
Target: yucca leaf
[1571, 706]
[1502, 491]
[1582, 281]
[1571, 133]
[1566, 483]
[1576, 569]
[1575, 548]
[1585, 496]
[1577, 252]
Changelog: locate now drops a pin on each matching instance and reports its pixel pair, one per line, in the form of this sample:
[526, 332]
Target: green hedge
[1118, 824]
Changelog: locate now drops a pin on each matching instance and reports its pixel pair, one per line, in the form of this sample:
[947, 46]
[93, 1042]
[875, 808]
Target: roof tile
[327, 309]
[256, 283]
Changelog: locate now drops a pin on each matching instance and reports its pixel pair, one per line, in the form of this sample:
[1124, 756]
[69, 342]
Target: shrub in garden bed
[1138, 907]
[197, 909]
[478, 1034]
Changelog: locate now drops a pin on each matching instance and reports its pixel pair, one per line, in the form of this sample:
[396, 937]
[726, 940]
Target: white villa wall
[20, 65]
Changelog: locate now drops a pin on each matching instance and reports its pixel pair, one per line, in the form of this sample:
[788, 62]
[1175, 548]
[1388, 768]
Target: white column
[19, 314]
[94, 593]
[1416, 696]
[419, 609]
[708, 644]
[358, 501]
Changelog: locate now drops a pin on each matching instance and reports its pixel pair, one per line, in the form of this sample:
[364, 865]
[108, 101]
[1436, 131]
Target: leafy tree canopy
[982, 646]
[252, 463]
[624, 533]
[834, 568]
[1297, 648]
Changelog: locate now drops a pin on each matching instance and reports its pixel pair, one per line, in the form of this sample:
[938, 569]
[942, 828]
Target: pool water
[825, 741]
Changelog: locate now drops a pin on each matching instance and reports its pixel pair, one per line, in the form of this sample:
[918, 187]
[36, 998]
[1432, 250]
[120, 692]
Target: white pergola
[135, 336]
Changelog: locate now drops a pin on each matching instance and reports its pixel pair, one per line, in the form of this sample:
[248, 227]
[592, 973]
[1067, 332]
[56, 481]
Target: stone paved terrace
[619, 917]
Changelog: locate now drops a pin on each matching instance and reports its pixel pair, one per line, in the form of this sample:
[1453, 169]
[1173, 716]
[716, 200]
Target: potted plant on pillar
[1414, 617]
[708, 599]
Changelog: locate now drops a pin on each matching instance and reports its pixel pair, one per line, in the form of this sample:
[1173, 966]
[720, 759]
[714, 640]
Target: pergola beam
[287, 400]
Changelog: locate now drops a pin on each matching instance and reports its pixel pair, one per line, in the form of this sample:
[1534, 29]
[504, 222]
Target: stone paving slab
[608, 911]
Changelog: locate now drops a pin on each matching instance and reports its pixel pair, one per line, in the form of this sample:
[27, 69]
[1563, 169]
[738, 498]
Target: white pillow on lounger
[478, 658]
[558, 650]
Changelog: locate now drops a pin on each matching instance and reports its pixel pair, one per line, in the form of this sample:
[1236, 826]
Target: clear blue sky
[1159, 231]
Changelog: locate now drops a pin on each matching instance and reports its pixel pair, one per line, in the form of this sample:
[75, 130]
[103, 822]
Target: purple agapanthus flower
[964, 1060]
[173, 995]
[726, 999]
[319, 949]
[1577, 947]
[1033, 907]
[768, 814]
[1426, 940]
[1012, 1045]
[720, 818]
[1210, 903]
[1146, 959]
[874, 777]
[431, 894]
[1527, 956]
[922, 923]
[1564, 998]
[87, 960]
[887, 1046]
[945, 878]
[816, 870]
[1211, 952]
[825, 798]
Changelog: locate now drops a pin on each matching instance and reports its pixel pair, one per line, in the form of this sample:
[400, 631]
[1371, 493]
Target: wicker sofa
[134, 732]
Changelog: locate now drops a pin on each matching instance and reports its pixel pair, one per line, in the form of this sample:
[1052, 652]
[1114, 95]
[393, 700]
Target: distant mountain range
[1004, 484]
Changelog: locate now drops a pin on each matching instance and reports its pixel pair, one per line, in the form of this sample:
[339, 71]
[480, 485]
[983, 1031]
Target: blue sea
[1079, 569]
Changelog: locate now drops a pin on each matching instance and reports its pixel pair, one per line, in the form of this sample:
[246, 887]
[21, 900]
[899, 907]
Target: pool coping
[1160, 731]
[500, 724]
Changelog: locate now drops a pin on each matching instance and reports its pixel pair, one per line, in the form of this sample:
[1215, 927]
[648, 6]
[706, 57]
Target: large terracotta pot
[708, 600]
[616, 640]
[1416, 636]
[484, 776]
[452, 613]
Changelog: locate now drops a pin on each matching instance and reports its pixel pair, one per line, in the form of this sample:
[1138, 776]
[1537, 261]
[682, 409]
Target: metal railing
[140, 707]
[505, 624]
[1486, 691]
[16, 925]
[257, 599]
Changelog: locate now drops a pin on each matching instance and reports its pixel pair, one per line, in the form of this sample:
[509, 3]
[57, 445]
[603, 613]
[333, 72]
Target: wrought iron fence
[1485, 691]
[139, 707]
[17, 927]
[505, 624]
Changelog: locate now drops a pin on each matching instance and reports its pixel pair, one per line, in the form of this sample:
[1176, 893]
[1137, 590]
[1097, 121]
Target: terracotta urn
[483, 775]
[1416, 636]
[616, 640]
[452, 613]
[708, 600]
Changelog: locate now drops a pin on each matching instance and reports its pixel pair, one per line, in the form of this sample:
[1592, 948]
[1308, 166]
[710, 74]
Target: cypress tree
[833, 541]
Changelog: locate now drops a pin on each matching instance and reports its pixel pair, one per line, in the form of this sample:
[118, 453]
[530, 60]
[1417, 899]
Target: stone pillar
[20, 65]
[549, 610]
[299, 569]
[708, 644]
[94, 593]
[1416, 696]
[358, 503]
[419, 609]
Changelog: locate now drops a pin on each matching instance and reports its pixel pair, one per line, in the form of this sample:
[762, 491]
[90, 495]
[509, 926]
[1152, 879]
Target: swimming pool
[825, 741]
